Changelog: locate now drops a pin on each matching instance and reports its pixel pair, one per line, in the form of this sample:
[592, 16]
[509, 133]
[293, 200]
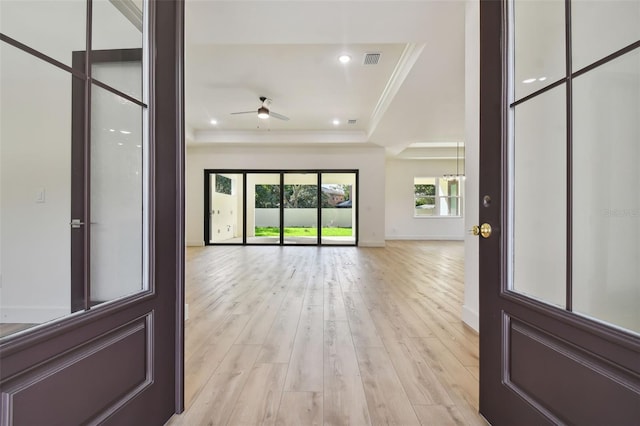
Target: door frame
[613, 351]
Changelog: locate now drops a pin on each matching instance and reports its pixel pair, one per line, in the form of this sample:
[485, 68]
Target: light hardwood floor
[11, 328]
[330, 335]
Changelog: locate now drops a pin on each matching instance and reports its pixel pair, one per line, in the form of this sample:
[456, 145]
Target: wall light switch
[40, 195]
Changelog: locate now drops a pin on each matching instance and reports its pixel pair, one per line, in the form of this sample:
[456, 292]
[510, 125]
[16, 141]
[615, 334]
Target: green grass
[303, 232]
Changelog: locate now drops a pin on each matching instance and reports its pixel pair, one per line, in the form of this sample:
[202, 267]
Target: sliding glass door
[263, 208]
[302, 207]
[300, 201]
[338, 208]
[225, 208]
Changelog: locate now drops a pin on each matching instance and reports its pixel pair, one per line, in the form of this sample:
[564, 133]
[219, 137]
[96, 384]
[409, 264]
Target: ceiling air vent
[371, 58]
[352, 121]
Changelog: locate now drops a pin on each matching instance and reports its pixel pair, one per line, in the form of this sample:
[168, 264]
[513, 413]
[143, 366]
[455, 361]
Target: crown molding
[410, 55]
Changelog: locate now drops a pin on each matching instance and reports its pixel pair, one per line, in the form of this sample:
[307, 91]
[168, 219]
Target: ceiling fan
[263, 111]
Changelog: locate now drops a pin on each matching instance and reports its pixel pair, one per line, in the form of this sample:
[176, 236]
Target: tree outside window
[223, 185]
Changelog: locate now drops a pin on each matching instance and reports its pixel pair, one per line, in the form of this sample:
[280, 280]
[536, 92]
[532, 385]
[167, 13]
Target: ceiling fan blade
[278, 116]
[244, 112]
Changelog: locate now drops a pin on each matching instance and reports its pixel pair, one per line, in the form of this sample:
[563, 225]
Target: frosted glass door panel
[539, 197]
[35, 195]
[606, 192]
[539, 44]
[123, 76]
[117, 27]
[601, 27]
[263, 208]
[116, 196]
[53, 27]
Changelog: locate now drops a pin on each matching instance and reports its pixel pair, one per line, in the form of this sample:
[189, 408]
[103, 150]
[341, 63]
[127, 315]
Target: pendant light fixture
[457, 175]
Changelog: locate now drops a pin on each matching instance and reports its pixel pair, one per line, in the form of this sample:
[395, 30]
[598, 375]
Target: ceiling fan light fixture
[263, 113]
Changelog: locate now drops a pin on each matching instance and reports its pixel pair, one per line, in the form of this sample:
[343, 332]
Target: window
[223, 185]
[437, 197]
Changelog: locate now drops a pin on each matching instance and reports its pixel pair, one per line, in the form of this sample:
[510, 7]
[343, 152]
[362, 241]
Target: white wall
[400, 223]
[224, 219]
[470, 309]
[331, 217]
[35, 143]
[369, 160]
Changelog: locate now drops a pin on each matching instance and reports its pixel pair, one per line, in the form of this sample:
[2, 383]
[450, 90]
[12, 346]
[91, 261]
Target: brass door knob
[484, 230]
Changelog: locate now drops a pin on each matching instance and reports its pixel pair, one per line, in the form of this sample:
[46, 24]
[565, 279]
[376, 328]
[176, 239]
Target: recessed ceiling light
[542, 78]
[120, 144]
[529, 80]
[112, 130]
[336, 122]
[345, 59]
[213, 121]
[125, 132]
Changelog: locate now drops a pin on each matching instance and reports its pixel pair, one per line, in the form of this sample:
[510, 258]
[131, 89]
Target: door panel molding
[72, 328]
[125, 359]
[609, 343]
[557, 377]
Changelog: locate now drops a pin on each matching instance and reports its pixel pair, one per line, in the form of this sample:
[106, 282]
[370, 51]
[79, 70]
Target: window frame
[439, 198]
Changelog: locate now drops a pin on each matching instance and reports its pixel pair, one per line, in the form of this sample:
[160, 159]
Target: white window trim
[439, 198]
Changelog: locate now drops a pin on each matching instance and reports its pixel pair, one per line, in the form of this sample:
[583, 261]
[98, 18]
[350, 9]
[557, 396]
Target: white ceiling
[237, 51]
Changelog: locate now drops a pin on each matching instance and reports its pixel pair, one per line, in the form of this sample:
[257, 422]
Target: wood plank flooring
[330, 335]
[10, 328]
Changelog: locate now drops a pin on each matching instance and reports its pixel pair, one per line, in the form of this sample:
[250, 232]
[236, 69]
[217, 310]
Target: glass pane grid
[119, 169]
[601, 133]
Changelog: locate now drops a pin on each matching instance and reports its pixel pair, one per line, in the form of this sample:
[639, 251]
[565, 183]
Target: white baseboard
[371, 243]
[32, 314]
[471, 318]
[195, 243]
[425, 237]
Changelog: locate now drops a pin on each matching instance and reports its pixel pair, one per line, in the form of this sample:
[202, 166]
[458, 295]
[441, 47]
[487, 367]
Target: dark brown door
[559, 178]
[118, 358]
